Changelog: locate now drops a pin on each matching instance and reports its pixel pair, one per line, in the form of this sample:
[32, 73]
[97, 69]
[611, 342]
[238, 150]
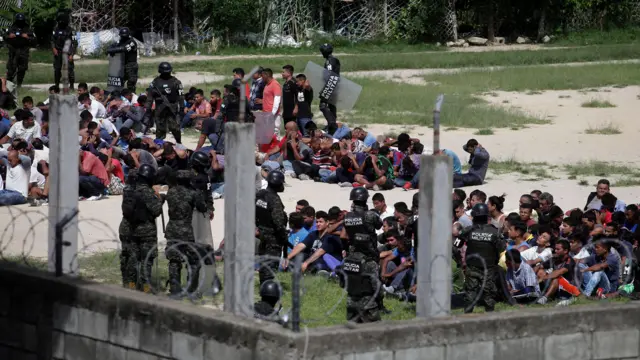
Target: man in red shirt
[271, 97]
[93, 176]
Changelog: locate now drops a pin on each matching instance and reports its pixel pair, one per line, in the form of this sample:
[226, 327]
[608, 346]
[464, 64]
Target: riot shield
[115, 77]
[265, 126]
[345, 95]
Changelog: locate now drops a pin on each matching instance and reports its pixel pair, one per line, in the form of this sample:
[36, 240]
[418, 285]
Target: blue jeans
[271, 165]
[217, 143]
[90, 186]
[186, 120]
[592, 280]
[301, 124]
[400, 182]
[286, 164]
[328, 176]
[341, 132]
[11, 197]
[398, 281]
[217, 188]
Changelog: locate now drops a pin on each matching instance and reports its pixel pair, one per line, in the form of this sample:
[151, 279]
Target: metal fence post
[63, 190]
[239, 218]
[295, 293]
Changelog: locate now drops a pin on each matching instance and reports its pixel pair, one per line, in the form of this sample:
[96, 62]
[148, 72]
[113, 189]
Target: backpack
[133, 209]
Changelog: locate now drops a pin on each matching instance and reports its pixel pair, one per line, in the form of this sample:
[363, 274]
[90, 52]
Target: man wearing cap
[478, 165]
[484, 247]
[257, 89]
[25, 128]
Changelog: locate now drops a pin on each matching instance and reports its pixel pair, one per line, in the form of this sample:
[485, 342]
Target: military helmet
[270, 289]
[147, 172]
[165, 68]
[20, 17]
[326, 49]
[124, 32]
[200, 159]
[275, 179]
[62, 17]
[480, 210]
[359, 194]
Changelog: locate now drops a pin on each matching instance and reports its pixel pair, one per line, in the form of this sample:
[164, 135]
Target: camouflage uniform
[18, 62]
[182, 200]
[473, 278]
[128, 260]
[145, 235]
[264, 311]
[271, 221]
[364, 300]
[166, 113]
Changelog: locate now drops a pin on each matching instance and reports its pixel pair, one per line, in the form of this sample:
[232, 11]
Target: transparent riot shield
[115, 76]
[345, 95]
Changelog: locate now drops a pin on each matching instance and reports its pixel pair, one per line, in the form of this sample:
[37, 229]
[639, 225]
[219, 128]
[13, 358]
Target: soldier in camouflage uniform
[484, 246]
[271, 224]
[264, 309]
[360, 267]
[182, 199]
[142, 209]
[128, 260]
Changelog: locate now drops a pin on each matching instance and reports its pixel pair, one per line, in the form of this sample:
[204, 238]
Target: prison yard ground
[530, 116]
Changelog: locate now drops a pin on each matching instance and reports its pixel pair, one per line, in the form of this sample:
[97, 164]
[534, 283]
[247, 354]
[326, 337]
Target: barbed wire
[100, 251]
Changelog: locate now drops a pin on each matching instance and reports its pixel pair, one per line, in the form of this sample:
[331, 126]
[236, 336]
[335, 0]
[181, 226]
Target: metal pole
[176, 38]
[436, 124]
[295, 293]
[239, 215]
[63, 195]
[434, 255]
[243, 94]
[65, 67]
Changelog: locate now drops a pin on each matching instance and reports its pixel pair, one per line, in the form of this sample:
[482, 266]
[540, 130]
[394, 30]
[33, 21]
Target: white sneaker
[304, 177]
[566, 302]
[290, 174]
[376, 188]
[216, 196]
[389, 289]
[541, 300]
[345, 184]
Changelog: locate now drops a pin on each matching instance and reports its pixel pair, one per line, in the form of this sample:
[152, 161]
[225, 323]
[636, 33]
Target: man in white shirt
[95, 107]
[381, 207]
[18, 176]
[25, 128]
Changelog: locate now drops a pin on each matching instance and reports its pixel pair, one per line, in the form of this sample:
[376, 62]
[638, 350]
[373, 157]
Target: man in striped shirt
[315, 163]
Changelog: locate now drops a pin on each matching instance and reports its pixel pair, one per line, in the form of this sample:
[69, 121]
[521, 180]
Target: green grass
[595, 37]
[595, 103]
[537, 78]
[538, 169]
[598, 168]
[627, 181]
[387, 60]
[483, 132]
[583, 182]
[604, 129]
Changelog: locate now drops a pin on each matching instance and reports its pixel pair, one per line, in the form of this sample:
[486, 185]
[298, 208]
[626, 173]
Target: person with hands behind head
[478, 165]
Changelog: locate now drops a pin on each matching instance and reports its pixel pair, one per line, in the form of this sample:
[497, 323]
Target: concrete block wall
[43, 317]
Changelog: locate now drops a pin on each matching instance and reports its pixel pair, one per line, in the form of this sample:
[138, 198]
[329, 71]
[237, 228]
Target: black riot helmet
[200, 160]
[480, 213]
[359, 195]
[147, 173]
[326, 49]
[275, 179]
[20, 19]
[124, 33]
[270, 292]
[165, 68]
[62, 18]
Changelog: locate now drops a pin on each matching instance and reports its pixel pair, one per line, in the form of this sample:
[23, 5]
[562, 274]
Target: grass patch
[598, 168]
[572, 177]
[535, 92]
[583, 182]
[627, 181]
[39, 74]
[483, 132]
[594, 37]
[595, 103]
[538, 169]
[552, 78]
[604, 129]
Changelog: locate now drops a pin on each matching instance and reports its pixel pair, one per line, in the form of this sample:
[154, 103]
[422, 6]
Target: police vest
[356, 229]
[166, 87]
[60, 36]
[481, 242]
[358, 283]
[263, 213]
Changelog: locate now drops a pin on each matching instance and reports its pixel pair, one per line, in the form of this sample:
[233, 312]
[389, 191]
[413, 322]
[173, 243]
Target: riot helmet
[270, 292]
[480, 213]
[275, 179]
[20, 19]
[124, 33]
[200, 160]
[62, 18]
[147, 173]
[326, 50]
[359, 194]
[165, 68]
